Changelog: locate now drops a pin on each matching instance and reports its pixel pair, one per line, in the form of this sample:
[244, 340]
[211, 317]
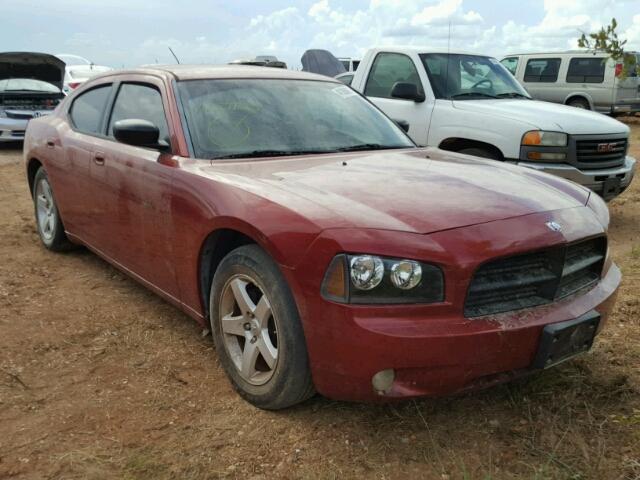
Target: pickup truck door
[388, 68]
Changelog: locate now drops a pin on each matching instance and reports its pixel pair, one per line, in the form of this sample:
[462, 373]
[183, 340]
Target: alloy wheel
[249, 329]
[45, 210]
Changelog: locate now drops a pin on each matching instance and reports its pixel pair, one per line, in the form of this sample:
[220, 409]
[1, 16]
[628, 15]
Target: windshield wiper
[367, 146]
[269, 153]
[471, 94]
[513, 95]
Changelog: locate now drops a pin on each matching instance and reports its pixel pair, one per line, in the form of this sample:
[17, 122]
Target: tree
[606, 40]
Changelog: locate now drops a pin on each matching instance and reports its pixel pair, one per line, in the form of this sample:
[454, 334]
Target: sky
[126, 33]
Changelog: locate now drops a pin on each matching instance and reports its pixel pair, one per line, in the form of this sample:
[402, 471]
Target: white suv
[471, 104]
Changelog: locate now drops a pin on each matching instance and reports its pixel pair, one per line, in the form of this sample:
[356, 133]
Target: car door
[79, 194]
[587, 74]
[137, 225]
[387, 69]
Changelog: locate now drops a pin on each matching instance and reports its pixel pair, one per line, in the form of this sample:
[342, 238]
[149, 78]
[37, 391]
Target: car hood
[545, 115]
[413, 190]
[39, 66]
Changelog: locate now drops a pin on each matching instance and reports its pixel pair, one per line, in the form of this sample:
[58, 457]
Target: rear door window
[142, 102]
[387, 70]
[87, 110]
[586, 70]
[510, 64]
[543, 70]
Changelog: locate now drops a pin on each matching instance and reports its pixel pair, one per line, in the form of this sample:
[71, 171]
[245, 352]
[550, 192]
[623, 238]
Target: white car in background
[78, 70]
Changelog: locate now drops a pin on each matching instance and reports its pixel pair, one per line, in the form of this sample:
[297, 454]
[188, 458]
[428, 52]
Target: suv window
[510, 64]
[142, 102]
[87, 110]
[586, 70]
[542, 70]
[387, 70]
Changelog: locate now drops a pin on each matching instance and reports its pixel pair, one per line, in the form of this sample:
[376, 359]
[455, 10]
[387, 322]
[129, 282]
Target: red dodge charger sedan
[323, 248]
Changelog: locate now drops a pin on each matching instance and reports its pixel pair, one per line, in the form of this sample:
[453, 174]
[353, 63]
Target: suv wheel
[257, 331]
[579, 103]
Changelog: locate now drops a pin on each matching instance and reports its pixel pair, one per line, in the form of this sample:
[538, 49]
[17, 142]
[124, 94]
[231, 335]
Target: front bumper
[433, 349]
[12, 130]
[593, 179]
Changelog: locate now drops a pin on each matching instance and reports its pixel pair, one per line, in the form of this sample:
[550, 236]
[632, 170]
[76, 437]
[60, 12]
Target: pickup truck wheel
[48, 221]
[479, 152]
[579, 103]
[257, 330]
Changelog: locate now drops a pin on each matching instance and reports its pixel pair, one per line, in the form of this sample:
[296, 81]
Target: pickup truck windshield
[470, 77]
[238, 118]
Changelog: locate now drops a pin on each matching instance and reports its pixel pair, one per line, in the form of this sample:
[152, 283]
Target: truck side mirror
[407, 91]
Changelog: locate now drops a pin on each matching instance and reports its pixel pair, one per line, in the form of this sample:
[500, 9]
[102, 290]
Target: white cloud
[345, 31]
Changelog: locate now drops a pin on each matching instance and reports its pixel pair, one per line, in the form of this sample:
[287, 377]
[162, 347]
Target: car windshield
[267, 117]
[27, 85]
[470, 77]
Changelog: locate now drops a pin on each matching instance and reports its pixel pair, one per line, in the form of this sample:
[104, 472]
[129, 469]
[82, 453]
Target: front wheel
[48, 220]
[479, 152]
[257, 331]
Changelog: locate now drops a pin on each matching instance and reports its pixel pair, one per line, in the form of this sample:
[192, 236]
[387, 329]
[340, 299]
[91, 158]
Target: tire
[479, 152]
[48, 220]
[261, 345]
[579, 103]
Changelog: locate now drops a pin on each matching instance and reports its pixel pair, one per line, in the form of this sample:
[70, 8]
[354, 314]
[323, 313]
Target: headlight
[371, 279]
[541, 138]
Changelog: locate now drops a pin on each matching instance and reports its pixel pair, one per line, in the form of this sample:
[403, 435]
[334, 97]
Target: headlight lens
[406, 274]
[544, 139]
[366, 272]
[376, 280]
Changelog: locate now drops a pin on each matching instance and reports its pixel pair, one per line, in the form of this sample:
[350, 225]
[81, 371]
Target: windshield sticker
[344, 91]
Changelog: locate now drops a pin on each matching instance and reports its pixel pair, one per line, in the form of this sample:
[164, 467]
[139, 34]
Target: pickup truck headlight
[369, 279]
[544, 139]
[541, 145]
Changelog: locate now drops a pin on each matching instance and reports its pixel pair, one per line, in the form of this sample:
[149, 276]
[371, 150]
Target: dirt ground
[101, 379]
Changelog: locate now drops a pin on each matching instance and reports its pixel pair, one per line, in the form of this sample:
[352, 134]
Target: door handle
[98, 158]
[51, 143]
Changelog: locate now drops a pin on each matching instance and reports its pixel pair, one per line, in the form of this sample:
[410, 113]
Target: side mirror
[404, 125]
[139, 133]
[407, 91]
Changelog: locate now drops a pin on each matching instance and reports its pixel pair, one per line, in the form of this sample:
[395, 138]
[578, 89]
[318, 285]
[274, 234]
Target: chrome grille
[601, 150]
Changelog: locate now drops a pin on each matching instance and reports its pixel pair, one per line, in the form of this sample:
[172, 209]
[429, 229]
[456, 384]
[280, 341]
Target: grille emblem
[37, 114]
[554, 226]
[606, 147]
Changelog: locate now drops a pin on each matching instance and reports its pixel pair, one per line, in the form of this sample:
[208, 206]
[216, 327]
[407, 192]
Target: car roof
[201, 72]
[565, 52]
[425, 50]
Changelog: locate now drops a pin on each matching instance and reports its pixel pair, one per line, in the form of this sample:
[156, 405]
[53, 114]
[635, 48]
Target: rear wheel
[579, 103]
[479, 152]
[48, 221]
[257, 331]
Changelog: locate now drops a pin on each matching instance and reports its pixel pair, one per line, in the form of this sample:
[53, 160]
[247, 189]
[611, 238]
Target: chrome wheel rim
[45, 210]
[249, 329]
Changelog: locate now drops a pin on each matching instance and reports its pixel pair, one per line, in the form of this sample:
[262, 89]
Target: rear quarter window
[87, 110]
[586, 70]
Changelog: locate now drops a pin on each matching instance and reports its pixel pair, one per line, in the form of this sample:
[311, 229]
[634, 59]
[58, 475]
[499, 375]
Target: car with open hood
[470, 103]
[323, 249]
[30, 87]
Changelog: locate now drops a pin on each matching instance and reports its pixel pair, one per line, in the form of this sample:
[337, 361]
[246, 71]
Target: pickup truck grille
[533, 279]
[599, 150]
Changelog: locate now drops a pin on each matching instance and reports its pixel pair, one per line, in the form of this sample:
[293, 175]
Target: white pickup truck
[471, 104]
